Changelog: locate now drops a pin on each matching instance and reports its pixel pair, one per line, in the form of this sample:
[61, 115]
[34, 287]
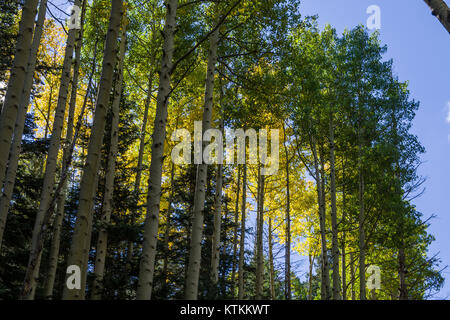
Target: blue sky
[420, 48]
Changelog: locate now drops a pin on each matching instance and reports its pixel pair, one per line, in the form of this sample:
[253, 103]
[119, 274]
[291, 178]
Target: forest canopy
[97, 97]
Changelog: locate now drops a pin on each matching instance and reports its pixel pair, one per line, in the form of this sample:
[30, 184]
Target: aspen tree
[8, 185]
[334, 228]
[259, 236]
[137, 181]
[287, 257]
[271, 266]
[107, 208]
[147, 264]
[16, 82]
[50, 166]
[79, 249]
[235, 233]
[57, 223]
[215, 254]
[201, 176]
[242, 235]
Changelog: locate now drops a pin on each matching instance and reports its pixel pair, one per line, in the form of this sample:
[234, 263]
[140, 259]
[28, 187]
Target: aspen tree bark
[8, 185]
[242, 235]
[215, 254]
[362, 249]
[259, 237]
[344, 208]
[287, 253]
[325, 283]
[87, 242]
[271, 267]
[50, 167]
[334, 228]
[79, 249]
[167, 231]
[310, 277]
[202, 175]
[137, 181]
[216, 239]
[147, 264]
[57, 224]
[223, 264]
[441, 11]
[16, 82]
[235, 234]
[108, 206]
[323, 193]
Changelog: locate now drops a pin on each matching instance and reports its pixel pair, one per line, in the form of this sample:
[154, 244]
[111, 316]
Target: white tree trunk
[16, 82]
[57, 223]
[325, 285]
[334, 228]
[259, 237]
[147, 265]
[215, 254]
[102, 241]
[287, 252]
[202, 174]
[235, 233]
[242, 240]
[50, 167]
[79, 249]
[137, 182]
[8, 185]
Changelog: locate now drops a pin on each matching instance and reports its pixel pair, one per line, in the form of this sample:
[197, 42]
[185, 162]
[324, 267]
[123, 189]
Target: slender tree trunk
[215, 254]
[362, 249]
[71, 138]
[242, 240]
[147, 264]
[287, 254]
[323, 193]
[259, 237]
[167, 233]
[201, 178]
[79, 250]
[310, 275]
[441, 11]
[325, 283]
[102, 241]
[16, 82]
[88, 240]
[272, 270]
[57, 224]
[8, 186]
[344, 208]
[32, 273]
[137, 182]
[223, 264]
[334, 228]
[235, 234]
